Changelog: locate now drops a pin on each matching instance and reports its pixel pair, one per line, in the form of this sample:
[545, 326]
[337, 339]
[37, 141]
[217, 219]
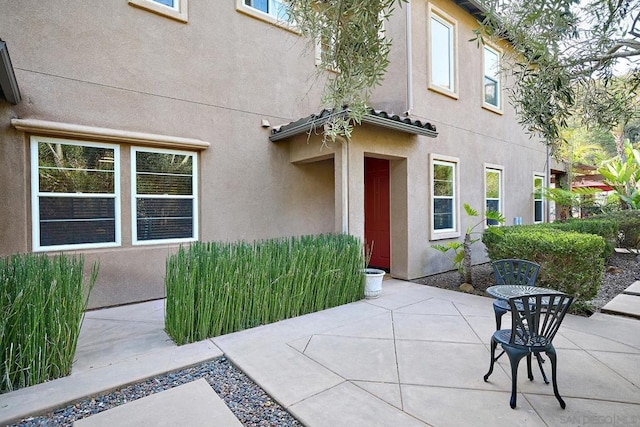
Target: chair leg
[552, 357]
[499, 313]
[514, 359]
[540, 362]
[494, 344]
[529, 371]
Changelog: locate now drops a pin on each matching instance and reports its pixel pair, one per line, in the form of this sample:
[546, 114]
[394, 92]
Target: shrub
[42, 301]
[570, 262]
[628, 223]
[218, 288]
[603, 227]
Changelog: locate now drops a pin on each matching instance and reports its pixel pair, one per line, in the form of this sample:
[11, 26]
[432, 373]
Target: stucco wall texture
[215, 79]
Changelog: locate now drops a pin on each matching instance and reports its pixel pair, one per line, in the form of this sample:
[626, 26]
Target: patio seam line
[272, 394]
[339, 375]
[610, 368]
[585, 349]
[482, 340]
[395, 355]
[344, 381]
[603, 337]
[371, 302]
[305, 346]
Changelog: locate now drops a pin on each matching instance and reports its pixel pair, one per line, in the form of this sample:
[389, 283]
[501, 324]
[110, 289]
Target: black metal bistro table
[504, 292]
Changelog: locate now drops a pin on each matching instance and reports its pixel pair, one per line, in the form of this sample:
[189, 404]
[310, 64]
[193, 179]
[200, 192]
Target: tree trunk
[466, 263]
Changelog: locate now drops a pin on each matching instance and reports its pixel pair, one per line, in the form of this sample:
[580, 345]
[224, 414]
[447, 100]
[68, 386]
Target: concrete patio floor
[414, 356]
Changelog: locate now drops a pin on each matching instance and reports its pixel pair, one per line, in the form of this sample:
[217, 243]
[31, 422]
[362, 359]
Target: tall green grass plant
[42, 301]
[217, 288]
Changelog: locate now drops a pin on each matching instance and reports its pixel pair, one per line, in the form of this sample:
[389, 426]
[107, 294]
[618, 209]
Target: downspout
[344, 145]
[409, 48]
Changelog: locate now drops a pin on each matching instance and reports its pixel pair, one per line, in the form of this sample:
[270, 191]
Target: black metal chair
[512, 272]
[535, 319]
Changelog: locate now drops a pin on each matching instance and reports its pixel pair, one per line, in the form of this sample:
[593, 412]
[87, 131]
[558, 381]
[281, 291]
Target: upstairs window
[442, 53]
[164, 189]
[491, 84]
[275, 8]
[75, 194]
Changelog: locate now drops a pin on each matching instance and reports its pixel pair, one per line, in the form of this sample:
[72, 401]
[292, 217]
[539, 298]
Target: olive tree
[570, 58]
[351, 37]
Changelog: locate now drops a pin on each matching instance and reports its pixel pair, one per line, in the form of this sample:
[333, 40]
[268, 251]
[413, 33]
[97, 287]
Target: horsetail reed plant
[217, 288]
[42, 301]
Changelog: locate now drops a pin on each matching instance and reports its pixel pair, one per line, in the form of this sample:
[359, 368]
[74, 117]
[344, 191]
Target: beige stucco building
[141, 125]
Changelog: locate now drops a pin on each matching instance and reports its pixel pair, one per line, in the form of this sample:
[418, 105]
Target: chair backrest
[515, 272]
[535, 319]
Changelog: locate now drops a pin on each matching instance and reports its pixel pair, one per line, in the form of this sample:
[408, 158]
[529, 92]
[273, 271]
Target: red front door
[376, 211]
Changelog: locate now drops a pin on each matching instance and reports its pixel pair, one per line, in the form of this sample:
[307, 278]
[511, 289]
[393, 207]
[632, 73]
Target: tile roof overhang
[8, 84]
[374, 117]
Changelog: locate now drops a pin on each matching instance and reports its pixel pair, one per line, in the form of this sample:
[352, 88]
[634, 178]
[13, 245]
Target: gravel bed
[621, 270]
[248, 402]
[252, 405]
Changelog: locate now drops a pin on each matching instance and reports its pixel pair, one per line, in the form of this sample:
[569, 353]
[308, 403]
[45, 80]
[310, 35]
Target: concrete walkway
[414, 356]
[627, 303]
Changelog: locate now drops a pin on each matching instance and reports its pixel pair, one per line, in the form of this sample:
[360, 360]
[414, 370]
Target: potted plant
[372, 277]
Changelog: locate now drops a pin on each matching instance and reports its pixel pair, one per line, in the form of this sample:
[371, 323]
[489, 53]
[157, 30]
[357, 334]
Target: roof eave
[306, 126]
[474, 7]
[8, 84]
[399, 126]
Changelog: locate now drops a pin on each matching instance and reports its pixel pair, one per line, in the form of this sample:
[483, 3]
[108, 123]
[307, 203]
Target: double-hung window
[444, 197]
[75, 194]
[442, 53]
[493, 191]
[164, 189]
[491, 83]
[538, 198]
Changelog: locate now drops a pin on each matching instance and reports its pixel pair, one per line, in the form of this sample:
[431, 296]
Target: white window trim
[90, 133]
[434, 12]
[488, 167]
[451, 232]
[543, 177]
[258, 14]
[194, 197]
[179, 12]
[490, 107]
[35, 195]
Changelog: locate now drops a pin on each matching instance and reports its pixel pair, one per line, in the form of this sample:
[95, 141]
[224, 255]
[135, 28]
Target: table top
[509, 291]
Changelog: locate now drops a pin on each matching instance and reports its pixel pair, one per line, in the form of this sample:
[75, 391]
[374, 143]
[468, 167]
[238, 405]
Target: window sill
[441, 235]
[492, 108]
[443, 91]
[179, 14]
[255, 13]
[46, 128]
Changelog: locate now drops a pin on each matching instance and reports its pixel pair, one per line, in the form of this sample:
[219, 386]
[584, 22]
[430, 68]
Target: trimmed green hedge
[628, 223]
[570, 262]
[42, 301]
[604, 227]
[218, 288]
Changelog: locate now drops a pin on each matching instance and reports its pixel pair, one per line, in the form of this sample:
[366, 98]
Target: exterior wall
[215, 79]
[475, 135]
[111, 65]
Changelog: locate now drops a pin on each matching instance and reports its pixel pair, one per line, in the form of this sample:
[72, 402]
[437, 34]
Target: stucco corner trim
[69, 130]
